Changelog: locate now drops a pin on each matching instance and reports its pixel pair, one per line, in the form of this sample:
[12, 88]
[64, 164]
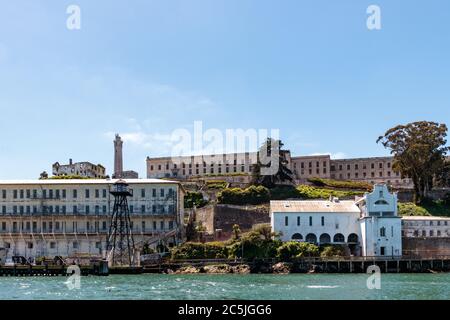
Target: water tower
[120, 243]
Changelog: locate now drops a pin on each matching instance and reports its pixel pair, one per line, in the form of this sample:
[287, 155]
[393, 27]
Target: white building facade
[320, 222]
[381, 227]
[368, 226]
[66, 217]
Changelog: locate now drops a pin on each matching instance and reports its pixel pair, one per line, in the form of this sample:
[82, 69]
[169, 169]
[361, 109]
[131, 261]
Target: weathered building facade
[83, 169]
[66, 217]
[371, 170]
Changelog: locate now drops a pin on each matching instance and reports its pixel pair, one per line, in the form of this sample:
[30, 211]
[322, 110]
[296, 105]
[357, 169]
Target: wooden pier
[318, 265]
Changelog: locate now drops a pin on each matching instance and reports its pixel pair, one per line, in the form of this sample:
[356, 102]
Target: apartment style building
[423, 226]
[202, 165]
[372, 170]
[83, 169]
[66, 217]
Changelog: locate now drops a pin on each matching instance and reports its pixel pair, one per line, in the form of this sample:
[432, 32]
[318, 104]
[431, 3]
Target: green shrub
[216, 184]
[341, 184]
[332, 251]
[293, 250]
[430, 208]
[195, 250]
[252, 195]
[283, 193]
[308, 192]
[192, 198]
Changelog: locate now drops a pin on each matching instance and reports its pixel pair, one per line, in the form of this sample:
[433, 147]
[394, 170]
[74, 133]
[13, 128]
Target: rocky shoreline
[279, 268]
[305, 267]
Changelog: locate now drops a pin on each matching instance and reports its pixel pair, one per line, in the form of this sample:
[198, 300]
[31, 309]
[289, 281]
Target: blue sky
[145, 68]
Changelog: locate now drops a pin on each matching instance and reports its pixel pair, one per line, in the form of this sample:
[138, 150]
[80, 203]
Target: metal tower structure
[120, 242]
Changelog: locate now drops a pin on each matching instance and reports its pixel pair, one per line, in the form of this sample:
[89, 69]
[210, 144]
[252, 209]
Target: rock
[218, 269]
[241, 269]
[281, 268]
[187, 270]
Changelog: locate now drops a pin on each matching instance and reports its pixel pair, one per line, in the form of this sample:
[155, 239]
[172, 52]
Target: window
[52, 245]
[75, 209]
[30, 245]
[74, 194]
[382, 251]
[86, 193]
[383, 232]
[104, 225]
[154, 225]
[28, 194]
[97, 193]
[75, 245]
[431, 233]
[143, 193]
[64, 193]
[4, 194]
[143, 208]
[310, 221]
[162, 192]
[104, 209]
[170, 225]
[143, 225]
[323, 221]
[87, 209]
[162, 225]
[154, 192]
[104, 193]
[286, 221]
[15, 194]
[298, 221]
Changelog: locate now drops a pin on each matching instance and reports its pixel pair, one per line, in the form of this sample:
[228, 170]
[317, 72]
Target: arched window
[339, 238]
[383, 232]
[325, 238]
[311, 238]
[381, 202]
[297, 236]
[352, 238]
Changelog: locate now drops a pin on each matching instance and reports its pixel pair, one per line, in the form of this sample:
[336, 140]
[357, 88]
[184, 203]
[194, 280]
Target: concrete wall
[223, 217]
[426, 247]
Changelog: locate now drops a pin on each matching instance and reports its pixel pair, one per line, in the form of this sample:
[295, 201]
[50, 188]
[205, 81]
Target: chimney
[70, 161]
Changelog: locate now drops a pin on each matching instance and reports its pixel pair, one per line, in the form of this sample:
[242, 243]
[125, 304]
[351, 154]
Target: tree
[271, 168]
[236, 232]
[419, 150]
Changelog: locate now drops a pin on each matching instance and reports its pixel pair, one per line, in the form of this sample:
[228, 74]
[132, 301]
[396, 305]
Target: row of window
[197, 165]
[310, 222]
[356, 166]
[425, 223]
[76, 226]
[52, 245]
[62, 193]
[156, 208]
[310, 164]
[365, 175]
[431, 233]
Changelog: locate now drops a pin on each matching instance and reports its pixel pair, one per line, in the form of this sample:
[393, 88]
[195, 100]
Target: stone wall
[219, 219]
[426, 247]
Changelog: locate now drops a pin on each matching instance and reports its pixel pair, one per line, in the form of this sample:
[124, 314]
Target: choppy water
[229, 287]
